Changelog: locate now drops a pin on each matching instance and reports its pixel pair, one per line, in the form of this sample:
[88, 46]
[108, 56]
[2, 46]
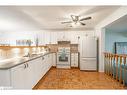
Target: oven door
[62, 57]
[63, 60]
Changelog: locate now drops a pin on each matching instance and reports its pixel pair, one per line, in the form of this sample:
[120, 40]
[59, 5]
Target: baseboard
[89, 70]
[75, 67]
[70, 68]
[53, 66]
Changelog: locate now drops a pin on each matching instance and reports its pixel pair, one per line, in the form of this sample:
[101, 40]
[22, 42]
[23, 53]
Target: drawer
[72, 57]
[72, 61]
[88, 64]
[76, 61]
[76, 54]
[74, 64]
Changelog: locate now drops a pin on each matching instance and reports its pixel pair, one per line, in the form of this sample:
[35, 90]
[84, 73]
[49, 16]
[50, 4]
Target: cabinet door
[60, 36]
[5, 78]
[53, 37]
[27, 75]
[23, 76]
[47, 37]
[74, 59]
[53, 59]
[72, 37]
[40, 68]
[34, 71]
[49, 61]
[18, 77]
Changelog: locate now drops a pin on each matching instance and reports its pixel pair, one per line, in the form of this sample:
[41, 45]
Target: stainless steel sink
[30, 55]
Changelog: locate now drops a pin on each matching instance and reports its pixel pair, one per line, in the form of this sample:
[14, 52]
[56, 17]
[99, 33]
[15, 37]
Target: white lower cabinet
[27, 75]
[5, 78]
[74, 59]
[54, 59]
[18, 77]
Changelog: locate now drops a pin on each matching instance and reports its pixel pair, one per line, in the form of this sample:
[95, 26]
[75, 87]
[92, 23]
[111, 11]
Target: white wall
[100, 32]
[111, 37]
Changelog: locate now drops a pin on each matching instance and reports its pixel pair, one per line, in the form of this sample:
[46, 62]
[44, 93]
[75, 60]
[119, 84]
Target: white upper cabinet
[53, 37]
[60, 36]
[72, 36]
[47, 37]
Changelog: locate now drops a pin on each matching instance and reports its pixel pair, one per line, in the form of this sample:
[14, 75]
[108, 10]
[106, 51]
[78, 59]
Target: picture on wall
[120, 47]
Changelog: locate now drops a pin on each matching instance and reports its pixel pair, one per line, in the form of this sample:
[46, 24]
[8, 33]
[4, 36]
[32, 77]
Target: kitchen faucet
[28, 55]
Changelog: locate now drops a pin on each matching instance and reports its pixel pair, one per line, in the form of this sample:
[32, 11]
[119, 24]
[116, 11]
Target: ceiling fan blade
[73, 17]
[82, 23]
[66, 22]
[87, 18]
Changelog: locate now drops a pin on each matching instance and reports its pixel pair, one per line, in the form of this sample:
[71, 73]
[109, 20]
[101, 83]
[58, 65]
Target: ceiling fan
[76, 19]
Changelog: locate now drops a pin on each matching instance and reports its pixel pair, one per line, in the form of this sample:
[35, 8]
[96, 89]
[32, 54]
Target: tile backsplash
[6, 53]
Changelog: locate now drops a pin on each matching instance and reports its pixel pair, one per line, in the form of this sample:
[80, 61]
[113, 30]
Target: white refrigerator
[88, 53]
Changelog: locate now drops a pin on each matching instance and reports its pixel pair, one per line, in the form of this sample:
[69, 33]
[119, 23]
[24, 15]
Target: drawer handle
[25, 66]
[43, 58]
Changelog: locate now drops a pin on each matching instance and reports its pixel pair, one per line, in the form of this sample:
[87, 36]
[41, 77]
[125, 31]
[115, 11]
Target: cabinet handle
[27, 65]
[24, 66]
[43, 58]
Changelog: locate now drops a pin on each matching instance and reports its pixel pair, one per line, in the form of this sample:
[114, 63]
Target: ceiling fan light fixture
[73, 24]
[78, 23]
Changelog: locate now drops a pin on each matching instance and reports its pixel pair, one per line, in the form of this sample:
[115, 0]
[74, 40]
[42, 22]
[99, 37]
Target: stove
[63, 57]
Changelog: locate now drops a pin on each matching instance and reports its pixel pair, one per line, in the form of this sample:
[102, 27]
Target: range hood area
[63, 42]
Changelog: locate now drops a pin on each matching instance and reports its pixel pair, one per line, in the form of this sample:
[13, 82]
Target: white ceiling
[119, 25]
[24, 18]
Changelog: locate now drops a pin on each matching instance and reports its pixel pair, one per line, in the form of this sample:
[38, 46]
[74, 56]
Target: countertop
[12, 62]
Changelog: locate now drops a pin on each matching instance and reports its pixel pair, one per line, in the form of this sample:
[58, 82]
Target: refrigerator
[88, 53]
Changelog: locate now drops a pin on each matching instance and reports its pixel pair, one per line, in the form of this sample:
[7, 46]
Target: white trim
[100, 32]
